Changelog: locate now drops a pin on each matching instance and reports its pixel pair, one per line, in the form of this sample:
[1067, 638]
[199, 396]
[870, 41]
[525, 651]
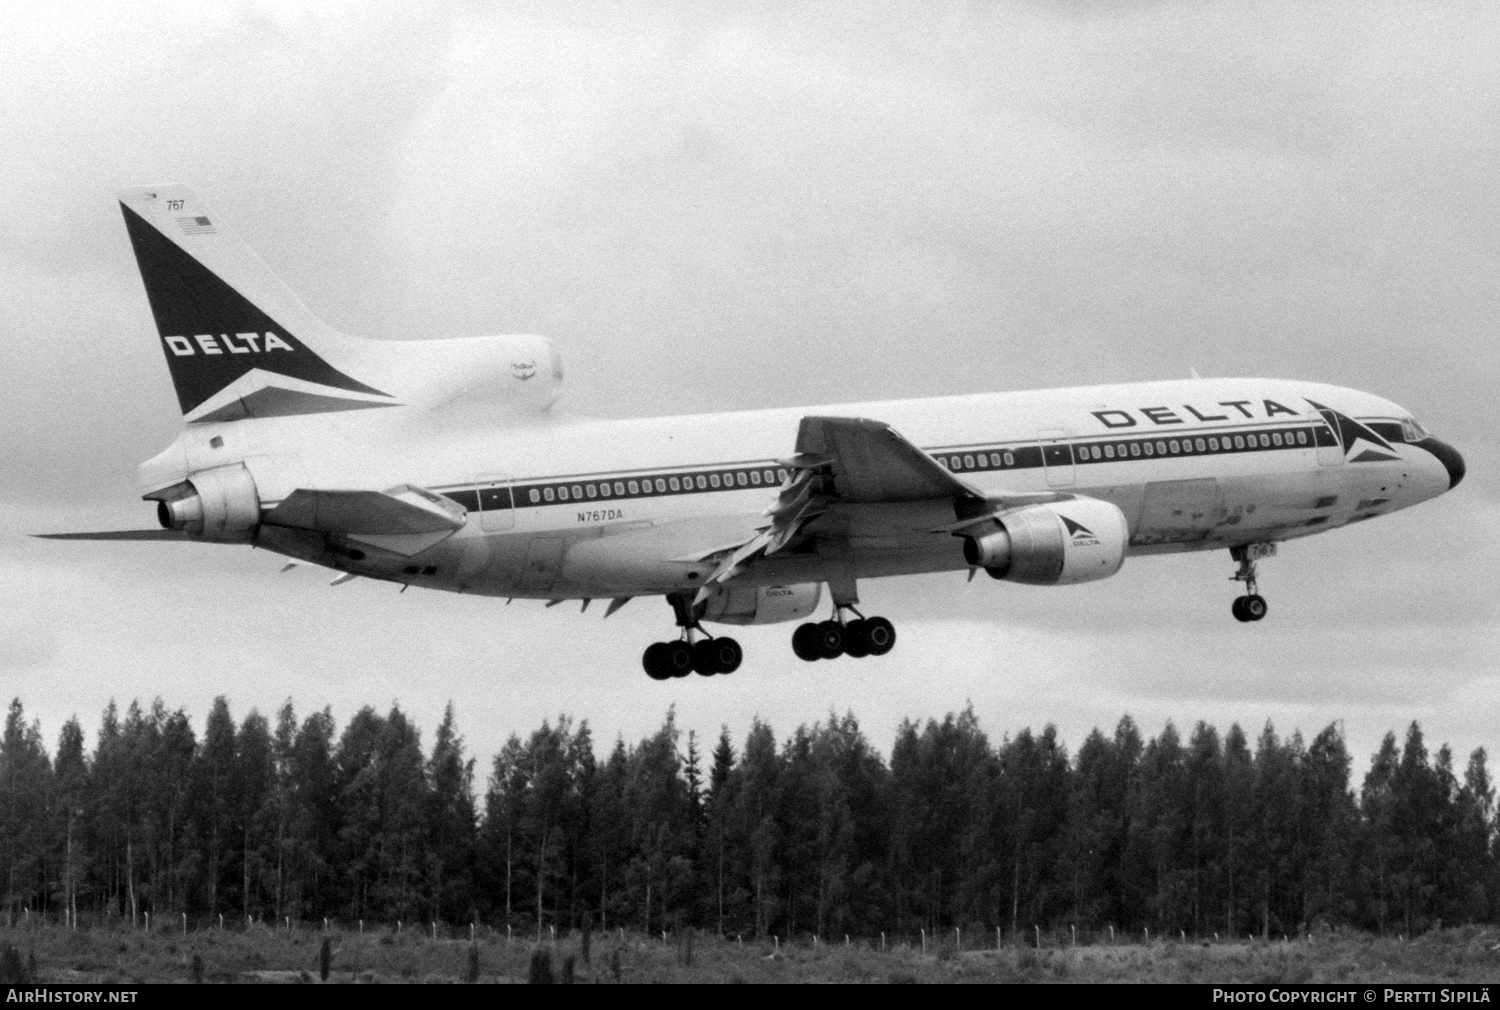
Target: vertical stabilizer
[238, 342]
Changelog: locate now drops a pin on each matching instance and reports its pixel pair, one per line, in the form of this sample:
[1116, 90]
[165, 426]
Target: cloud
[717, 209]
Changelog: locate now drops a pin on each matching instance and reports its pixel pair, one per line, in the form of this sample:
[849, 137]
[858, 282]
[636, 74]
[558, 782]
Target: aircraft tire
[1255, 607]
[705, 662]
[654, 660]
[728, 654]
[856, 639]
[678, 659]
[805, 642]
[880, 636]
[830, 639]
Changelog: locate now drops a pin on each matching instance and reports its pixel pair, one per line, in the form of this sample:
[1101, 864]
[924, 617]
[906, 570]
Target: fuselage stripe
[1005, 456]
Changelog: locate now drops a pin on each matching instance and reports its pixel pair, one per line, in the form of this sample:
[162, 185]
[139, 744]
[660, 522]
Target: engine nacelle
[1055, 544]
[762, 604]
[219, 504]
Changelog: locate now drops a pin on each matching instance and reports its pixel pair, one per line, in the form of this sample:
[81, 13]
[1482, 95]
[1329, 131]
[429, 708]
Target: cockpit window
[1413, 431]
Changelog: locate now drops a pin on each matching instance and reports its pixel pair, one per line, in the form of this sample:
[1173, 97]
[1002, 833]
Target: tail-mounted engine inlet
[221, 505]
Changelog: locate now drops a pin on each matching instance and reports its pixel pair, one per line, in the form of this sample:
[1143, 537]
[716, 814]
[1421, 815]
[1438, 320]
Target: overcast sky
[784, 205]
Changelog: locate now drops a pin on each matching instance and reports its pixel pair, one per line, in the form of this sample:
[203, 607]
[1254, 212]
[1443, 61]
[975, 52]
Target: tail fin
[238, 342]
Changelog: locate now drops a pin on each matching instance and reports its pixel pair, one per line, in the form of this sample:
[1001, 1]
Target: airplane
[443, 464]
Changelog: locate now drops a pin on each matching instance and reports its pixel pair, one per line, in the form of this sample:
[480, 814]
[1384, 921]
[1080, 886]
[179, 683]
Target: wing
[852, 464]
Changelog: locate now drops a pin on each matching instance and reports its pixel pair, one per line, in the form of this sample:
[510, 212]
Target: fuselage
[560, 509]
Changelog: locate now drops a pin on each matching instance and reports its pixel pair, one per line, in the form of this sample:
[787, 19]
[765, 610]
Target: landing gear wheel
[880, 636]
[1254, 607]
[830, 639]
[805, 642]
[678, 659]
[705, 662]
[655, 661]
[1237, 608]
[856, 643]
[727, 655]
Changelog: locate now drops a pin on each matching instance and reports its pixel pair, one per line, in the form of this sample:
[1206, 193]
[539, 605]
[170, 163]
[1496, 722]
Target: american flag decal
[196, 225]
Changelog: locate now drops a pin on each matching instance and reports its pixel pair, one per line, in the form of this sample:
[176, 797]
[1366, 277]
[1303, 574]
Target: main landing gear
[863, 636]
[1251, 606]
[696, 651]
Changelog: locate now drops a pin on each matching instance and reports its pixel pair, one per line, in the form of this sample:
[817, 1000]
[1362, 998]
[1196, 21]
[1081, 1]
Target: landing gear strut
[1251, 606]
[840, 636]
[695, 651]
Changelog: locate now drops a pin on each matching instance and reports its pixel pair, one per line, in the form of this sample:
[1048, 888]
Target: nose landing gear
[705, 655]
[863, 636]
[1251, 606]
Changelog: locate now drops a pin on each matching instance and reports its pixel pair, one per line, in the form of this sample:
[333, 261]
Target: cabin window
[1173, 446]
[1147, 447]
[661, 485]
[713, 479]
[1213, 445]
[562, 493]
[1135, 448]
[1010, 459]
[674, 484]
[604, 489]
[591, 489]
[770, 477]
[536, 496]
[755, 477]
[968, 462]
[702, 482]
[577, 493]
[633, 487]
[781, 475]
[1198, 444]
[549, 494]
[1109, 451]
[1302, 438]
[741, 479]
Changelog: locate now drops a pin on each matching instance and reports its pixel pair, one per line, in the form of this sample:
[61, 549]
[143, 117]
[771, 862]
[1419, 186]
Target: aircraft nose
[1448, 456]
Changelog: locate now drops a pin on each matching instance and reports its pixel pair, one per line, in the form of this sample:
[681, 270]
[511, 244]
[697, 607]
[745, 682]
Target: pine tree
[452, 820]
[718, 809]
[71, 793]
[25, 784]
[214, 804]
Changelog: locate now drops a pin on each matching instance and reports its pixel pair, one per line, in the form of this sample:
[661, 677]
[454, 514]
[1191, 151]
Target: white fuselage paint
[1191, 495]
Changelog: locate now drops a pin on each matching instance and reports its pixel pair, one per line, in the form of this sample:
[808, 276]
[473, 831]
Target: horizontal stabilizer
[400, 511]
[116, 535]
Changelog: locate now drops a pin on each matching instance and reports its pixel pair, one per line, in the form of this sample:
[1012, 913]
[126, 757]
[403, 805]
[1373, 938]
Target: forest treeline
[816, 833]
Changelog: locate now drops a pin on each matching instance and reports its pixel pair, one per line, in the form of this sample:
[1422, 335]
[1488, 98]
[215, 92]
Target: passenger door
[1057, 457]
[496, 509]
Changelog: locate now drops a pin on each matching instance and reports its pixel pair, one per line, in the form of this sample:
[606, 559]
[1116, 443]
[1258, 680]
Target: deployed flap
[403, 509]
[871, 462]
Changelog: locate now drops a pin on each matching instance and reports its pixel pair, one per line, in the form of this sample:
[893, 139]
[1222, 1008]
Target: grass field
[1469, 954]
